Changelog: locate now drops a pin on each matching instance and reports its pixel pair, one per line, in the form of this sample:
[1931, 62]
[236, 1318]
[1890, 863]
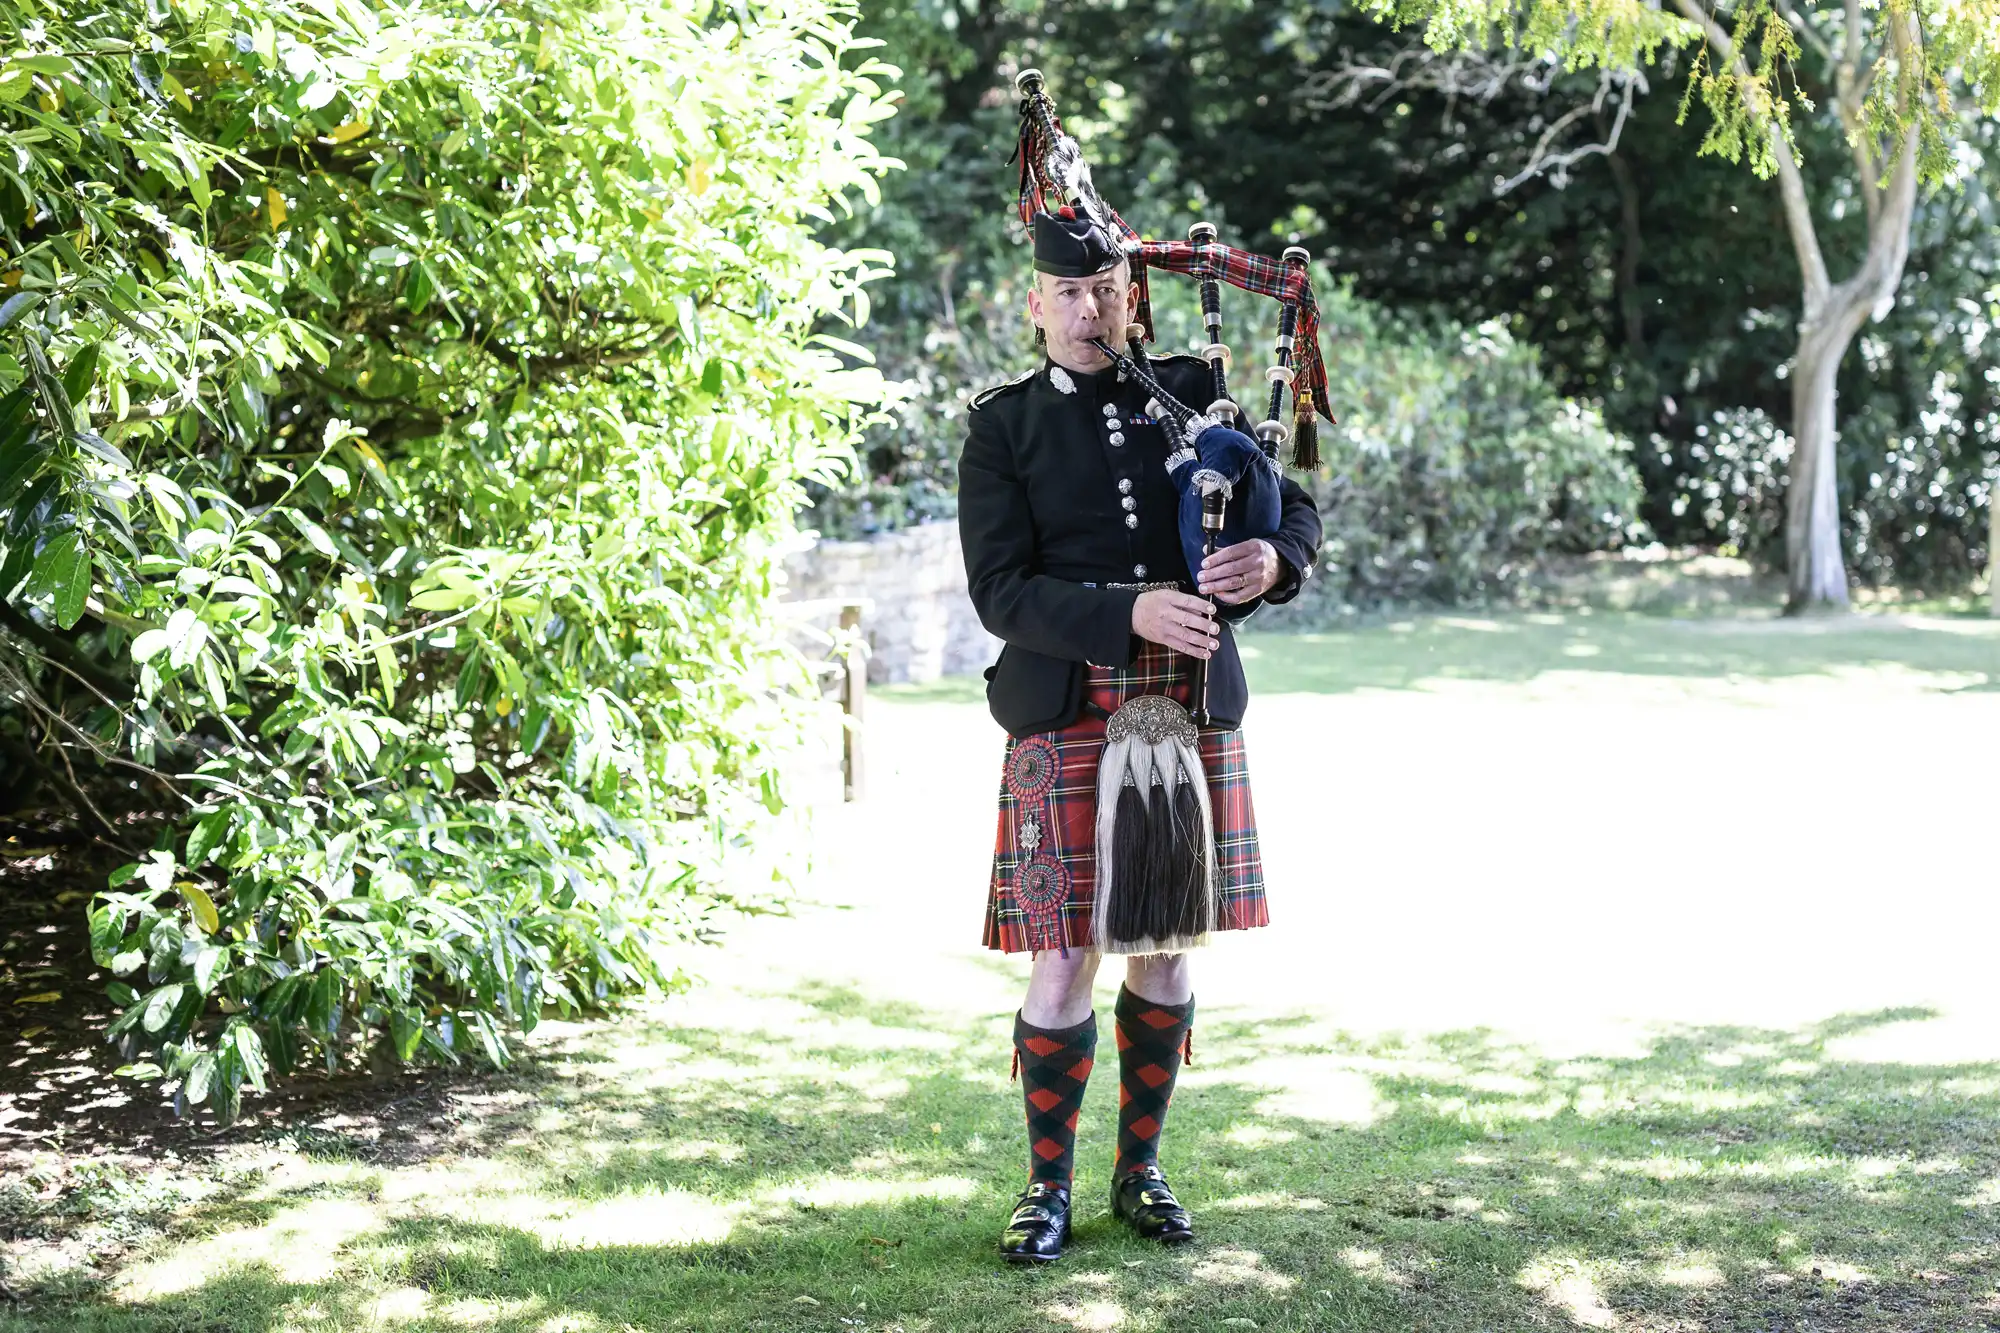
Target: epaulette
[1179, 362]
[987, 395]
[1179, 372]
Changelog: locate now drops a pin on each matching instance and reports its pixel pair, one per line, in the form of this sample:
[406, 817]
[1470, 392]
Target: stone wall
[921, 624]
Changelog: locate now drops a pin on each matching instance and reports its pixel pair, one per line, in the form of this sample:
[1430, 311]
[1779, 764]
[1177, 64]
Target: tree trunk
[1815, 571]
[1816, 576]
[1993, 544]
[1628, 256]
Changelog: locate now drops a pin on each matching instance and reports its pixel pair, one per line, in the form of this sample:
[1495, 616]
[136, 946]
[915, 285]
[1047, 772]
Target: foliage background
[400, 408]
[1653, 286]
[403, 404]
[1456, 470]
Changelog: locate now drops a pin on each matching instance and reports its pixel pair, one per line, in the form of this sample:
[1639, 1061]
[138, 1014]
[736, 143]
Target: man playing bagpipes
[1115, 529]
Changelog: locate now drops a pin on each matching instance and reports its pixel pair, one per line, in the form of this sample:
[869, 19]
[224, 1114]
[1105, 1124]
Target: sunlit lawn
[1627, 974]
[1959, 650]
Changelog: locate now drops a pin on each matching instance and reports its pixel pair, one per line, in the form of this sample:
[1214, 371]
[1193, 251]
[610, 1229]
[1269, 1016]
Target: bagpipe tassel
[1305, 436]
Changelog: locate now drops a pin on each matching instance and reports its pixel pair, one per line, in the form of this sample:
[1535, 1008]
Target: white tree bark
[1832, 313]
[1816, 574]
[1993, 545]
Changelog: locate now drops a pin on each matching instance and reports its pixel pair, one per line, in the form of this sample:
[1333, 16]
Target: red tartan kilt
[1058, 800]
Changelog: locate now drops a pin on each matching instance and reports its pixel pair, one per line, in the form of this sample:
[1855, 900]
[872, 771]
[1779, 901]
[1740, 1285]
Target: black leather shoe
[1039, 1226]
[1144, 1200]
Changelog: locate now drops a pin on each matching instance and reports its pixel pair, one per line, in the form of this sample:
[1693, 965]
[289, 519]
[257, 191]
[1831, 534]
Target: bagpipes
[1052, 163]
[1158, 881]
[1228, 483]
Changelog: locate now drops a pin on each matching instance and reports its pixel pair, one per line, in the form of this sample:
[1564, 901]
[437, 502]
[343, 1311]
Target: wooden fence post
[854, 697]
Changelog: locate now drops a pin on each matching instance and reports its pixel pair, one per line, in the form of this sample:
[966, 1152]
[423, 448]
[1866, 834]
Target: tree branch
[1805, 30]
[1850, 93]
[69, 779]
[347, 159]
[1629, 212]
[1477, 75]
[53, 719]
[1791, 184]
[1889, 227]
[55, 646]
[1482, 77]
[417, 425]
[1630, 82]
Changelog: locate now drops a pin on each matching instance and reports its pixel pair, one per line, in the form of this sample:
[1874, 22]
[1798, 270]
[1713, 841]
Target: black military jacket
[1063, 492]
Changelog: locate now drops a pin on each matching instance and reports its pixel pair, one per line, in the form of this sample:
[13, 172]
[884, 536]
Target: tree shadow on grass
[828, 1165]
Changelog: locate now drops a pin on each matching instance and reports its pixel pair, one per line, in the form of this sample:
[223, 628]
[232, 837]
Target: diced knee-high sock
[1150, 1040]
[1055, 1065]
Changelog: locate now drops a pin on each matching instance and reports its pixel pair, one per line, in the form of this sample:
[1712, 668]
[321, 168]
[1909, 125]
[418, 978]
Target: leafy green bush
[907, 466]
[402, 403]
[1455, 467]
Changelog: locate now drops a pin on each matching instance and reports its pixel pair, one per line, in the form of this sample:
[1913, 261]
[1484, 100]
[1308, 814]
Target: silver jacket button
[1124, 485]
[1111, 409]
[1117, 437]
[1131, 520]
[1129, 503]
[1138, 571]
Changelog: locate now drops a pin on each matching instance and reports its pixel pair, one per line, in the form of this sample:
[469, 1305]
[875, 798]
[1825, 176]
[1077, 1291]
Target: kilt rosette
[1042, 881]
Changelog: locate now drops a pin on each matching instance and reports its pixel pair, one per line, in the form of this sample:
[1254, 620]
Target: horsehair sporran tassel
[1156, 863]
[1184, 907]
[1127, 862]
[1160, 851]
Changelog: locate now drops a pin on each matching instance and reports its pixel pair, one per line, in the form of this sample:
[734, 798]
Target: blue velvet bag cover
[1254, 505]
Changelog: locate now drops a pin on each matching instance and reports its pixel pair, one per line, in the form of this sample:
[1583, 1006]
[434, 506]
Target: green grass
[1517, 648]
[1413, 651]
[846, 1167]
[789, 1152]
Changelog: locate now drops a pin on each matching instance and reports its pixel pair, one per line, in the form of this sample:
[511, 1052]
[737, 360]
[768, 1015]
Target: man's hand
[1180, 621]
[1240, 573]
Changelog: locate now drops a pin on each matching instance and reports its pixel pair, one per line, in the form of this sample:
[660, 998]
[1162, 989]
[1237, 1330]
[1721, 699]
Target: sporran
[1156, 865]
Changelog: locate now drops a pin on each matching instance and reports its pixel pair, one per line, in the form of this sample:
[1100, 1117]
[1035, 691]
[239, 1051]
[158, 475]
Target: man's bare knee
[1163, 978]
[1059, 988]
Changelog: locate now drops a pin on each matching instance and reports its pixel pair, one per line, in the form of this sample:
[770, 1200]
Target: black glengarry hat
[1069, 246]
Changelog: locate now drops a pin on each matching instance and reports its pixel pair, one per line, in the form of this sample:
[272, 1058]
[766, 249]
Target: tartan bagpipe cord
[1239, 268]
